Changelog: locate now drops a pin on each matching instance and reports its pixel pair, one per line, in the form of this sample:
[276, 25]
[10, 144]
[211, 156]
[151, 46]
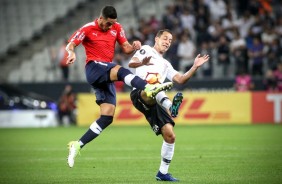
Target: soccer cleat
[152, 90]
[74, 149]
[176, 102]
[165, 177]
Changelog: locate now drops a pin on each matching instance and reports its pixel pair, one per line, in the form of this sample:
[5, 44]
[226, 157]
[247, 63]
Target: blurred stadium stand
[21, 19]
[32, 30]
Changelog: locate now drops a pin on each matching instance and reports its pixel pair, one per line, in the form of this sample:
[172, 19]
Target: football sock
[163, 100]
[129, 79]
[95, 129]
[166, 154]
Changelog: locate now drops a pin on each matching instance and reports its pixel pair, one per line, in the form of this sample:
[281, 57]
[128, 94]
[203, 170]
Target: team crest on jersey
[142, 51]
[113, 32]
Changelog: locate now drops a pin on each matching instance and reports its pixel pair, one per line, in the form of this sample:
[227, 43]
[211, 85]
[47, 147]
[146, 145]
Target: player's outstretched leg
[152, 90]
[176, 102]
[74, 148]
[165, 177]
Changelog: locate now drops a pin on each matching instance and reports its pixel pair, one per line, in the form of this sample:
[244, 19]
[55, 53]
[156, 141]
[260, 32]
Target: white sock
[163, 100]
[166, 154]
[81, 143]
[96, 128]
[128, 79]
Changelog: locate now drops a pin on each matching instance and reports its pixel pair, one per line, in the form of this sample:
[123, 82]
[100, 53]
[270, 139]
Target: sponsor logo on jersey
[122, 34]
[79, 36]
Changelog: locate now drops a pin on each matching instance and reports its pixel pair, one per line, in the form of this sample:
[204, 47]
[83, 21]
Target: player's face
[106, 24]
[163, 42]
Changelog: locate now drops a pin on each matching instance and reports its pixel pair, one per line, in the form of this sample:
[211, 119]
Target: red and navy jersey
[99, 45]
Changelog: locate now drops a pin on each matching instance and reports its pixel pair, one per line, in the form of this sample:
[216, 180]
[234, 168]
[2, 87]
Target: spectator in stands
[257, 27]
[244, 23]
[62, 60]
[202, 23]
[67, 106]
[215, 30]
[243, 82]
[223, 55]
[270, 82]
[227, 23]
[207, 68]
[253, 6]
[154, 23]
[238, 52]
[146, 30]
[186, 52]
[268, 36]
[169, 20]
[256, 56]
[265, 7]
[188, 21]
[134, 35]
[278, 76]
[278, 26]
[217, 9]
[273, 55]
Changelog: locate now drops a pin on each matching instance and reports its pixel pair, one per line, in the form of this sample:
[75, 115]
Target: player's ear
[156, 39]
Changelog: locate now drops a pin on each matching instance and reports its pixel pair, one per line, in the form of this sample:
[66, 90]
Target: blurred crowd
[242, 37]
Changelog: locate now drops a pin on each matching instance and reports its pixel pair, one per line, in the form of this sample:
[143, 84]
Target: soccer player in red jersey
[99, 38]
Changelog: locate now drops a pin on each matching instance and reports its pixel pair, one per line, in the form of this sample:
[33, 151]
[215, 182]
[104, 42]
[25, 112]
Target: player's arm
[70, 49]
[199, 61]
[135, 62]
[130, 48]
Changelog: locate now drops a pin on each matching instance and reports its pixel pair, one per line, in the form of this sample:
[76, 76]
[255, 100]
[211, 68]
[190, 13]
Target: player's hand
[136, 45]
[200, 60]
[146, 61]
[71, 57]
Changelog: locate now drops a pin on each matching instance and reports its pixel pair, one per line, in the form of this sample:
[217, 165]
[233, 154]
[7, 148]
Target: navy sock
[138, 83]
[95, 129]
[87, 137]
[122, 73]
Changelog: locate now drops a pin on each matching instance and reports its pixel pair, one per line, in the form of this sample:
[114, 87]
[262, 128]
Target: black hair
[160, 32]
[109, 12]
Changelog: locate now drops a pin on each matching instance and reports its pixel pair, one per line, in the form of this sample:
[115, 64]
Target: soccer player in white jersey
[150, 65]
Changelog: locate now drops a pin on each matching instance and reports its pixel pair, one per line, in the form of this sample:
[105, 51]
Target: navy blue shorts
[98, 76]
[155, 114]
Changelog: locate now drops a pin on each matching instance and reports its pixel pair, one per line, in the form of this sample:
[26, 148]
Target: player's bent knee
[170, 138]
[104, 121]
[122, 73]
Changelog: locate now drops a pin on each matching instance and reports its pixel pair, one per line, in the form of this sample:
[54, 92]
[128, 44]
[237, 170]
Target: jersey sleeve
[171, 72]
[121, 37]
[79, 35]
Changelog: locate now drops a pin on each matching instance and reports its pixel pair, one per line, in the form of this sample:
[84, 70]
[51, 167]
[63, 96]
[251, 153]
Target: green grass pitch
[131, 154]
